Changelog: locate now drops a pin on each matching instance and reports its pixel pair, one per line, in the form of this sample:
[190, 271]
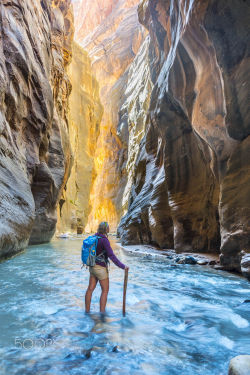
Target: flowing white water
[180, 319]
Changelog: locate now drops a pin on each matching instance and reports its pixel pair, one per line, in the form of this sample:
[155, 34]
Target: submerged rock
[202, 262]
[239, 365]
[219, 267]
[180, 260]
[190, 260]
[87, 353]
[212, 262]
[186, 260]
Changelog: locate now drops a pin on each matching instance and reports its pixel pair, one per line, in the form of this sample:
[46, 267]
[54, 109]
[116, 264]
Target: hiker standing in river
[100, 272]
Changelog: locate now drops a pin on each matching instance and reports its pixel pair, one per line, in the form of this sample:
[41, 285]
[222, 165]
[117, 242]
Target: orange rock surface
[111, 33]
[85, 113]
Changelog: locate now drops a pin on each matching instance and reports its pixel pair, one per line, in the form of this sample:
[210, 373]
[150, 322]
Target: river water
[182, 320]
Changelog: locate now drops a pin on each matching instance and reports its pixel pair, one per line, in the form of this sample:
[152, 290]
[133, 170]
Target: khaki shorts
[101, 273]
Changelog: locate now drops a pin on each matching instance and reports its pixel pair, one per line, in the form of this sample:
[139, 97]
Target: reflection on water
[180, 320]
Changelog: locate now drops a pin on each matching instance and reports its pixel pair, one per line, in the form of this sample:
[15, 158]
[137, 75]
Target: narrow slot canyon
[170, 160]
[142, 120]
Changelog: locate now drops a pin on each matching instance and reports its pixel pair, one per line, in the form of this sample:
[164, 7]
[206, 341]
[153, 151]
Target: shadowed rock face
[35, 49]
[230, 35]
[191, 177]
[135, 101]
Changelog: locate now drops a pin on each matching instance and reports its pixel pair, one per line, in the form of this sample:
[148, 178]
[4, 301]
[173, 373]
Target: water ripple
[180, 320]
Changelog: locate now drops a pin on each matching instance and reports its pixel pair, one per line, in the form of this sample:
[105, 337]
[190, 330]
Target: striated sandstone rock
[52, 174]
[179, 155]
[234, 207]
[34, 148]
[84, 119]
[227, 24]
[132, 115]
[191, 176]
[112, 40]
[91, 13]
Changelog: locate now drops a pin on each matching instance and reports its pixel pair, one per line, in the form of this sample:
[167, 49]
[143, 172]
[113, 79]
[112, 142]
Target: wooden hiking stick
[124, 292]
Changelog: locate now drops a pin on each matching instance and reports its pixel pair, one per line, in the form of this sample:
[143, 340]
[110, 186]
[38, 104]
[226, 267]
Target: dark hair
[103, 227]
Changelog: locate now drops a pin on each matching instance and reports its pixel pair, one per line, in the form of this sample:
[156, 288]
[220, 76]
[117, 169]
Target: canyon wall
[112, 35]
[190, 175]
[85, 113]
[35, 156]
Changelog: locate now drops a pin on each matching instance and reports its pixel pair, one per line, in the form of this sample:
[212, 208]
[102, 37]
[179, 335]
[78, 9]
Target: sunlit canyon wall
[35, 156]
[85, 113]
[172, 152]
[190, 188]
[111, 34]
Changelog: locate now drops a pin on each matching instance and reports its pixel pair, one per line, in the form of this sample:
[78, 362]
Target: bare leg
[92, 284]
[105, 289]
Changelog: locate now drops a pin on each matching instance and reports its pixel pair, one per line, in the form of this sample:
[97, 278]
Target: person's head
[103, 228]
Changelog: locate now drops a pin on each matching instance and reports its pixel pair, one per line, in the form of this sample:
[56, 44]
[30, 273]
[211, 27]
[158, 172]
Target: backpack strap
[101, 257]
